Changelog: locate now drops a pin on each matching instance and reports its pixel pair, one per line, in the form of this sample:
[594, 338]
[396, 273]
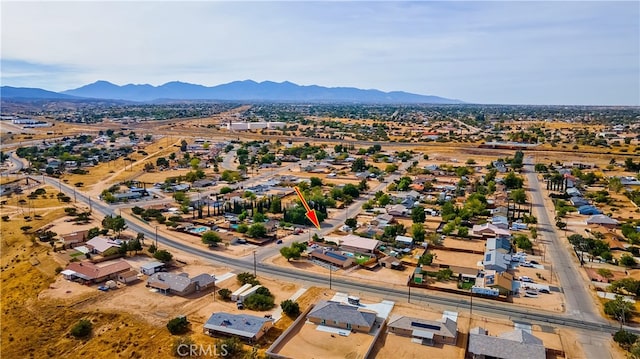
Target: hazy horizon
[494, 52]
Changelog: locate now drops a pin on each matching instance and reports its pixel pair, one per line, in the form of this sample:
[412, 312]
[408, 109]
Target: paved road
[578, 301]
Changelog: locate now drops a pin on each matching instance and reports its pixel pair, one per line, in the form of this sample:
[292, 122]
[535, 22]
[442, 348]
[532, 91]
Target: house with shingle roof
[517, 344]
[93, 273]
[180, 284]
[340, 315]
[429, 332]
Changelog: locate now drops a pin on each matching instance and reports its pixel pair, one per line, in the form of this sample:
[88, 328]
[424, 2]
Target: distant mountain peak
[249, 90]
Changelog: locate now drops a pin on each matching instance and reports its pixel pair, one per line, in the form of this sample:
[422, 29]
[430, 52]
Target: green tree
[163, 256]
[82, 329]
[211, 238]
[523, 242]
[257, 230]
[426, 259]
[359, 165]
[615, 184]
[512, 181]
[391, 168]
[351, 222]
[259, 302]
[418, 215]
[619, 309]
[290, 253]
[247, 278]
[178, 325]
[135, 245]
[290, 308]
[225, 294]
[518, 196]
[627, 260]
[418, 232]
[625, 338]
[316, 182]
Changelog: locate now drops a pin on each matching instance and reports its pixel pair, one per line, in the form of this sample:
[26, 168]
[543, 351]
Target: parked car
[279, 241]
[103, 288]
[524, 278]
[527, 264]
[240, 305]
[544, 290]
[534, 262]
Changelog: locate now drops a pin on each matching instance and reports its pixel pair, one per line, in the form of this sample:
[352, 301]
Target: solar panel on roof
[425, 326]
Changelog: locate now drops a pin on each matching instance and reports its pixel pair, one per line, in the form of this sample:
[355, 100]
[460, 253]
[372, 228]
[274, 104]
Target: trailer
[236, 294]
[248, 292]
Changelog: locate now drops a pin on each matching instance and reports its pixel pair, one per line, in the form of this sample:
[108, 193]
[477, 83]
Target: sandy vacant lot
[456, 258]
[307, 342]
[472, 244]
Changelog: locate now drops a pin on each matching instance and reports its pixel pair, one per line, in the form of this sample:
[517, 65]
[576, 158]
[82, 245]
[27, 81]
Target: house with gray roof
[512, 345]
[500, 244]
[246, 327]
[497, 261]
[180, 284]
[340, 315]
[427, 332]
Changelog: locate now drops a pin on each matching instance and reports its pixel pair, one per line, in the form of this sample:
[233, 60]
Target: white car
[524, 278]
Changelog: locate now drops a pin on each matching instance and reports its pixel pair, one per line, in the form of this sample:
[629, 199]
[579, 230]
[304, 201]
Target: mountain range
[247, 90]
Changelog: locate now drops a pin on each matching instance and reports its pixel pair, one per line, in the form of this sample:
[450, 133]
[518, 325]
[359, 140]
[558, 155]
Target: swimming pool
[199, 229]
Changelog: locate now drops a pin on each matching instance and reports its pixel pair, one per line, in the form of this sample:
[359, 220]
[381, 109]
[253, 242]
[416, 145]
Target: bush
[290, 308]
[225, 294]
[624, 338]
[246, 277]
[82, 328]
[259, 302]
[178, 325]
[137, 210]
[163, 256]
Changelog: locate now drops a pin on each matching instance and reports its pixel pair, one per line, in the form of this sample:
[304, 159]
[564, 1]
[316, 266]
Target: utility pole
[255, 274]
[330, 270]
[156, 237]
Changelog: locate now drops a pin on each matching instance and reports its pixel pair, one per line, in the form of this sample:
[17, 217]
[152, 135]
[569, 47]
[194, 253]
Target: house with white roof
[101, 244]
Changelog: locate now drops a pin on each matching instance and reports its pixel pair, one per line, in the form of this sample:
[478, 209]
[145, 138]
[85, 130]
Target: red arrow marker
[311, 213]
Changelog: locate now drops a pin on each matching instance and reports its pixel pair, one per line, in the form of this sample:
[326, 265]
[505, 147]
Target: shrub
[624, 338]
[259, 302]
[290, 308]
[178, 325]
[246, 277]
[225, 294]
[82, 328]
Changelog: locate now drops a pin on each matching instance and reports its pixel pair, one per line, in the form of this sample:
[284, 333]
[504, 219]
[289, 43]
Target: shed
[151, 267]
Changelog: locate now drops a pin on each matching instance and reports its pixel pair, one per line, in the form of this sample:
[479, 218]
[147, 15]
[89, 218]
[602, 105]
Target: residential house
[331, 257]
[356, 244]
[500, 244]
[428, 332]
[573, 192]
[246, 327]
[398, 210]
[489, 230]
[383, 220]
[602, 220]
[500, 211]
[180, 284]
[589, 210]
[517, 344]
[344, 316]
[578, 201]
[495, 260]
[500, 221]
[101, 244]
[75, 238]
[92, 273]
[404, 241]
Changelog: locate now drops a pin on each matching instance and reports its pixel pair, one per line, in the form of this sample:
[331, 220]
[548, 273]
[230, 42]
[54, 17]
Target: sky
[494, 52]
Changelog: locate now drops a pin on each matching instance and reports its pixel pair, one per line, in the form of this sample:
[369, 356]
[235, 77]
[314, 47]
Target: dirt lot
[472, 244]
[456, 258]
[307, 342]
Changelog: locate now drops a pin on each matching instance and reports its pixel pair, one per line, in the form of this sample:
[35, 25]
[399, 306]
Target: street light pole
[330, 270]
[156, 237]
